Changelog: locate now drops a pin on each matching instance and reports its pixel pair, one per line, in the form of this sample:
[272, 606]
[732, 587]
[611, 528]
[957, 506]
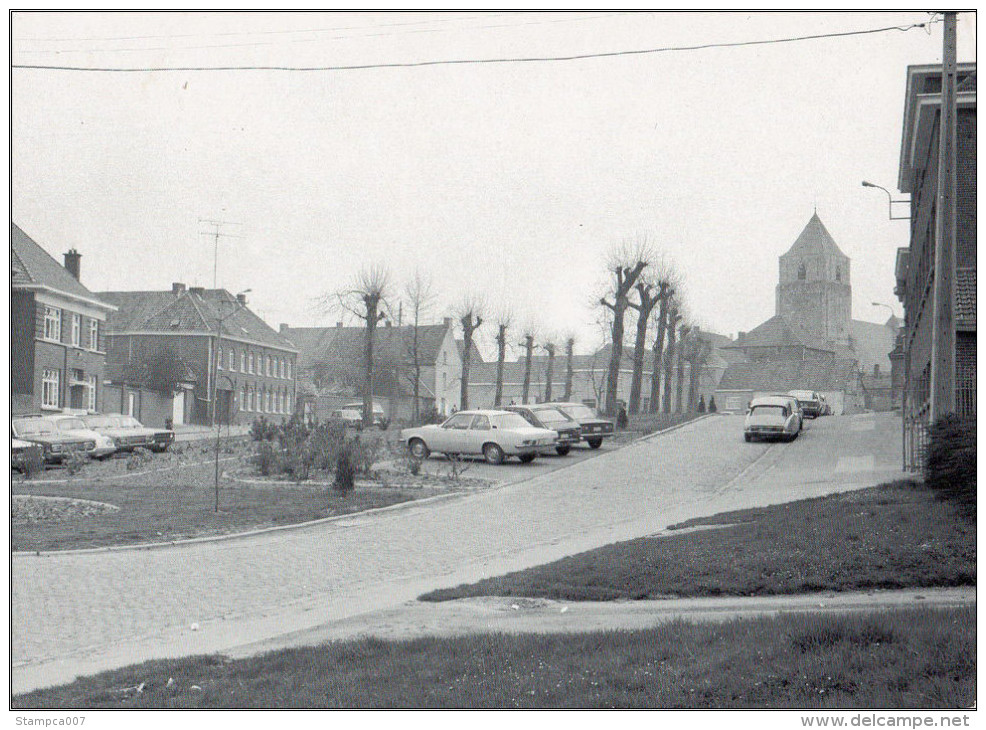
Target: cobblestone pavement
[83, 612]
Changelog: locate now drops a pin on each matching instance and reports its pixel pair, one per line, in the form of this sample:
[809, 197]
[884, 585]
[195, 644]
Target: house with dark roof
[196, 342]
[840, 381]
[331, 367]
[918, 176]
[57, 331]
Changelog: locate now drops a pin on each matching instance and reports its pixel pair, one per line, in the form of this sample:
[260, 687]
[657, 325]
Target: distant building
[169, 342]
[57, 331]
[915, 264]
[838, 380]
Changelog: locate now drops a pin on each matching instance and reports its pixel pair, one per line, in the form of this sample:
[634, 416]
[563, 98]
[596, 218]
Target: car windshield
[33, 427]
[128, 422]
[579, 412]
[102, 422]
[510, 420]
[550, 415]
[71, 424]
[770, 411]
[803, 394]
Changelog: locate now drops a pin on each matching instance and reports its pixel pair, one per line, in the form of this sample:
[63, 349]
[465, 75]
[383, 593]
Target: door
[178, 408]
[451, 437]
[131, 404]
[478, 434]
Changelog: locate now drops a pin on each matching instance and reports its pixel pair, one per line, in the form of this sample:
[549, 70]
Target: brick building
[167, 341]
[57, 331]
[916, 263]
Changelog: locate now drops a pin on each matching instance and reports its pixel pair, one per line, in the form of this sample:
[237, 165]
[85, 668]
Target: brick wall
[22, 327]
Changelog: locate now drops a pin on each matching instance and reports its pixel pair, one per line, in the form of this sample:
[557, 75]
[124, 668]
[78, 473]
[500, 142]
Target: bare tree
[664, 296]
[569, 370]
[699, 350]
[674, 316]
[503, 321]
[683, 344]
[649, 296]
[366, 299]
[470, 315]
[528, 345]
[626, 263]
[549, 347]
[420, 294]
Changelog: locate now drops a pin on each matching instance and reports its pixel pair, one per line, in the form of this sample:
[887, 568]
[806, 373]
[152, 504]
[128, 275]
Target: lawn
[901, 659]
[896, 535]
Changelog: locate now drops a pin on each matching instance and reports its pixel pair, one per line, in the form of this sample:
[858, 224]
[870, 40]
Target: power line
[480, 61]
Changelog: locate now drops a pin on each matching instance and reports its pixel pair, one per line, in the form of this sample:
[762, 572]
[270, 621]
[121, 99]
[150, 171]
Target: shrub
[263, 430]
[267, 459]
[345, 479]
[950, 467]
[365, 453]
[75, 461]
[324, 442]
[139, 458]
[29, 462]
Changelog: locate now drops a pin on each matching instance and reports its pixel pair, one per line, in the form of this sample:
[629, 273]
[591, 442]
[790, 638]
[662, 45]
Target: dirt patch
[28, 508]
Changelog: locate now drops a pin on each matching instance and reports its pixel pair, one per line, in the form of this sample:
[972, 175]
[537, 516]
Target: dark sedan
[543, 415]
[594, 428]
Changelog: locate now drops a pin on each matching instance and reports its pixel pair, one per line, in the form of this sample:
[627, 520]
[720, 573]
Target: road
[80, 613]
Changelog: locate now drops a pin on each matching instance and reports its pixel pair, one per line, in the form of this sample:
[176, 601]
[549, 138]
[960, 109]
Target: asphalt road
[80, 613]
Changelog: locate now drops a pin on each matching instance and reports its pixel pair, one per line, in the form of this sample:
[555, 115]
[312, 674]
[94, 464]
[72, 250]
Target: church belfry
[814, 291]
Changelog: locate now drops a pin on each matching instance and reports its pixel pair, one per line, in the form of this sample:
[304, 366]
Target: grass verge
[896, 659]
[896, 535]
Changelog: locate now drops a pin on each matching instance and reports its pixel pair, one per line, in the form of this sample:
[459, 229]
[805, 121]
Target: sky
[511, 181]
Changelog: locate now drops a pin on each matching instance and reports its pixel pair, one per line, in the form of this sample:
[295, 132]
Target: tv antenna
[216, 233]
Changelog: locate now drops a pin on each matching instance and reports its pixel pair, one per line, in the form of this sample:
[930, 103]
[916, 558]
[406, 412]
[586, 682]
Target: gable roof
[813, 240]
[872, 342]
[474, 354]
[789, 375]
[167, 312]
[345, 345]
[775, 332]
[34, 268]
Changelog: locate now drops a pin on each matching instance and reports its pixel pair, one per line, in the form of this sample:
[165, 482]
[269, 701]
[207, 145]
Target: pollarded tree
[649, 296]
[683, 345]
[626, 263]
[569, 369]
[674, 317]
[549, 347]
[503, 322]
[469, 313]
[419, 292]
[699, 350]
[528, 345]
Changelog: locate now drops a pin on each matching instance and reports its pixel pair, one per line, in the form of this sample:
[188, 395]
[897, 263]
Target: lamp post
[890, 202]
[240, 304]
[888, 307]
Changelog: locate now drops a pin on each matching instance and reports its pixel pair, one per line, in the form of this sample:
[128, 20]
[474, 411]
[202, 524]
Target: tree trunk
[551, 371]
[416, 410]
[680, 394]
[501, 356]
[625, 279]
[669, 355]
[655, 378]
[569, 353]
[371, 301]
[469, 325]
[529, 348]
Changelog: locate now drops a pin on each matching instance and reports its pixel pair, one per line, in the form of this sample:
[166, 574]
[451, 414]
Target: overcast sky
[511, 180]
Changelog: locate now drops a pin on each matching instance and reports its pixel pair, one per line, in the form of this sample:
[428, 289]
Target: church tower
[814, 293]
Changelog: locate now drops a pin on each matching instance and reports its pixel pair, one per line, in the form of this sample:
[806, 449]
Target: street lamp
[889, 308]
[890, 202]
[240, 304]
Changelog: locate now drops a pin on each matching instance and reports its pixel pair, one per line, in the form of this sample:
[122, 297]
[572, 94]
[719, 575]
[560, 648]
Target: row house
[915, 267]
[193, 342]
[57, 331]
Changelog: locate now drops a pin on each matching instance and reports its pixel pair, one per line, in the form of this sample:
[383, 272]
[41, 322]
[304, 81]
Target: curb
[312, 523]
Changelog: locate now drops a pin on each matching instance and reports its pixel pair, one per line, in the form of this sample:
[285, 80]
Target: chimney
[241, 299]
[283, 327]
[177, 288]
[447, 321]
[740, 336]
[197, 290]
[72, 259]
[338, 324]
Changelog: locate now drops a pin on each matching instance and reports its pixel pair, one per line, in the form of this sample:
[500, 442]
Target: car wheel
[494, 454]
[527, 458]
[562, 450]
[747, 437]
[594, 443]
[419, 450]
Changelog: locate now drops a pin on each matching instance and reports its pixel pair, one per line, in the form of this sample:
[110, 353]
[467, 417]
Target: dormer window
[802, 272]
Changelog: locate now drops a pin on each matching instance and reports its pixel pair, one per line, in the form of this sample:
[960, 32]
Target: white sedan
[492, 434]
[773, 417]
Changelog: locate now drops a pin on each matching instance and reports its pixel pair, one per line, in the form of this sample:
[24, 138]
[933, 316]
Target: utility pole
[943, 329]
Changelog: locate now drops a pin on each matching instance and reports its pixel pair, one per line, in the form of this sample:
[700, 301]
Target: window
[243, 399]
[280, 402]
[289, 370]
[243, 362]
[269, 365]
[802, 272]
[251, 363]
[49, 388]
[94, 334]
[53, 324]
[459, 422]
[219, 359]
[288, 400]
[280, 368]
[92, 392]
[77, 330]
[232, 360]
[267, 401]
[480, 423]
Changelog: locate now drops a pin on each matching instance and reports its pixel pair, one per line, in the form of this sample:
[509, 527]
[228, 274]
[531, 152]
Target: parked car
[128, 433]
[380, 419]
[55, 444]
[771, 417]
[494, 435]
[19, 453]
[594, 429]
[545, 415]
[795, 406]
[348, 417]
[826, 408]
[810, 402]
[67, 423]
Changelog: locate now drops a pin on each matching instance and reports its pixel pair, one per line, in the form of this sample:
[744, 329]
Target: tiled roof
[872, 342]
[787, 375]
[344, 345]
[474, 354]
[775, 332]
[32, 265]
[814, 239]
[187, 311]
[965, 297]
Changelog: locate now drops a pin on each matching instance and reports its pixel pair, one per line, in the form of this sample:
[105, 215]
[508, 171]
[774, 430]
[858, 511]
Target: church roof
[775, 332]
[814, 240]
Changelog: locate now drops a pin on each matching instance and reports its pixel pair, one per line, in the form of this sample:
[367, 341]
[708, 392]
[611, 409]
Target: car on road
[55, 444]
[349, 417]
[128, 433]
[795, 406]
[545, 415]
[379, 419]
[771, 417]
[492, 434]
[810, 402]
[594, 428]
